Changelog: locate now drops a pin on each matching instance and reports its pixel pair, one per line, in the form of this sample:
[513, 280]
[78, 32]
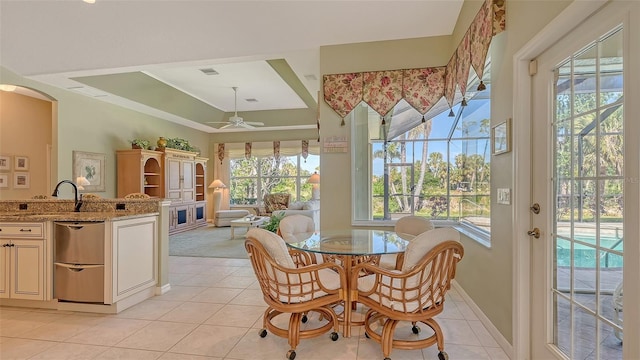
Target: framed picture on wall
[4, 181]
[21, 163]
[5, 162]
[21, 180]
[91, 166]
[501, 138]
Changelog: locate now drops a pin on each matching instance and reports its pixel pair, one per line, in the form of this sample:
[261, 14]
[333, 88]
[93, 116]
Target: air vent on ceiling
[209, 71]
[251, 100]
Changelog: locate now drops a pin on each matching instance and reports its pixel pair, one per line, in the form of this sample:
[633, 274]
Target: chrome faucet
[78, 203]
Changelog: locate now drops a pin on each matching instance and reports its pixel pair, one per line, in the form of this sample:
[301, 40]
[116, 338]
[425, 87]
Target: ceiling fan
[235, 120]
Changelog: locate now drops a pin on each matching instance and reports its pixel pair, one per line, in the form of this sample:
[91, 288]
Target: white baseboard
[163, 289]
[504, 344]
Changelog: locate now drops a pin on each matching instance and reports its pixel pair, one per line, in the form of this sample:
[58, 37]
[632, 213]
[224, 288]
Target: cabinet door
[173, 218]
[27, 269]
[173, 178]
[200, 212]
[183, 216]
[4, 269]
[188, 184]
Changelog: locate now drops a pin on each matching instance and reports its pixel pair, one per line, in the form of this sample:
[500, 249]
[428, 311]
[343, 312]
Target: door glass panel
[589, 177]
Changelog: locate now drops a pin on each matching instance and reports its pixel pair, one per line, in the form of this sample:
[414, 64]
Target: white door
[584, 148]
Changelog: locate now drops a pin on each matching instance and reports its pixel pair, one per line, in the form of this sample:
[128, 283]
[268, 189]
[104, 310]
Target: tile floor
[214, 311]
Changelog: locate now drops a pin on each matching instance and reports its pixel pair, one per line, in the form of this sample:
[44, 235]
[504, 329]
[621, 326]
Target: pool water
[585, 256]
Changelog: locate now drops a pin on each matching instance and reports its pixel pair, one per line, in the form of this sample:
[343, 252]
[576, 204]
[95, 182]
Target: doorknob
[535, 232]
[535, 208]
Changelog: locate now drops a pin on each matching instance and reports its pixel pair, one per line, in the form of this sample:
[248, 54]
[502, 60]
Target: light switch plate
[504, 196]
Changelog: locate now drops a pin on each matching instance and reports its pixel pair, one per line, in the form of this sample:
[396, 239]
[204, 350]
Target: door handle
[535, 208]
[535, 232]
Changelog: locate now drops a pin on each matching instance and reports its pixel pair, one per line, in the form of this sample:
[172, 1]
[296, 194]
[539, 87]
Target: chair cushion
[274, 245]
[413, 225]
[365, 283]
[423, 243]
[329, 278]
[293, 224]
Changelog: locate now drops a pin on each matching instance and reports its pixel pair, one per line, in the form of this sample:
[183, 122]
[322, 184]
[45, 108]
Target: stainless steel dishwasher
[79, 261]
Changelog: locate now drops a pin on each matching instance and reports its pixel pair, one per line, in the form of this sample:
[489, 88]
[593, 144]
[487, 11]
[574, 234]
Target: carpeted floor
[209, 241]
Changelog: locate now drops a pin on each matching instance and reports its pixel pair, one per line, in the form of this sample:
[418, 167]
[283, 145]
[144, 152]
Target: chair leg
[387, 336]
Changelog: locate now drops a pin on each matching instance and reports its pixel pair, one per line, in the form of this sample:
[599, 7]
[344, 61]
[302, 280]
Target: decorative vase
[162, 143]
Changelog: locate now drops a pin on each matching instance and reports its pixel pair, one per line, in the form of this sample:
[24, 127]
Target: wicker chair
[295, 289]
[414, 294]
[277, 201]
[411, 225]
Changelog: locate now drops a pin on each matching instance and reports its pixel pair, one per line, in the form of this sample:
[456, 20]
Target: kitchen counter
[72, 216]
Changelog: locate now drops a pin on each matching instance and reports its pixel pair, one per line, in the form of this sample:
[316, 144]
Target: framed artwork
[21, 163]
[92, 167]
[4, 181]
[5, 162]
[501, 138]
[21, 180]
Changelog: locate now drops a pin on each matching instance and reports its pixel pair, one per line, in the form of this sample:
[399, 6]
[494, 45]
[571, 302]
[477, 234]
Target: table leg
[346, 263]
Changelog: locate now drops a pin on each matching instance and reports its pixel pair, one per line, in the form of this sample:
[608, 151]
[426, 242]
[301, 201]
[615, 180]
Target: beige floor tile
[159, 336]
[237, 282]
[181, 293]
[172, 356]
[69, 351]
[217, 295]
[237, 315]
[222, 270]
[466, 311]
[23, 348]
[458, 332]
[109, 332]
[210, 340]
[369, 349]
[192, 312]
[450, 311]
[149, 310]
[458, 352]
[203, 280]
[122, 354]
[249, 297]
[64, 328]
[483, 334]
[496, 353]
[11, 313]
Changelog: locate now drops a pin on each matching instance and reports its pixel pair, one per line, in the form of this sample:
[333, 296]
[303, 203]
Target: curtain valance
[422, 87]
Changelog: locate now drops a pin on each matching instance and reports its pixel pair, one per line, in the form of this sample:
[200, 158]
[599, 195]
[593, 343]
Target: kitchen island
[133, 247]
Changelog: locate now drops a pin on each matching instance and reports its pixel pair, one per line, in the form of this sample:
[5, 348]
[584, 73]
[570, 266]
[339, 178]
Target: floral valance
[423, 87]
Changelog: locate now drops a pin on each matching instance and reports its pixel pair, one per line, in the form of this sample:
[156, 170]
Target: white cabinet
[23, 261]
[134, 254]
[180, 175]
[185, 186]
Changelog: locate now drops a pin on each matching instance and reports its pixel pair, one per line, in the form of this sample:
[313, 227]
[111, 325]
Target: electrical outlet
[504, 196]
[120, 206]
[23, 206]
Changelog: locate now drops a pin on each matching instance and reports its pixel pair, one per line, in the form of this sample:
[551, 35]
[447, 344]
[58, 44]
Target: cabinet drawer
[22, 230]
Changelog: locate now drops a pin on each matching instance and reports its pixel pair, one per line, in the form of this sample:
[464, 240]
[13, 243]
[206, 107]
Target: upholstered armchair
[294, 289]
[415, 293]
[273, 202]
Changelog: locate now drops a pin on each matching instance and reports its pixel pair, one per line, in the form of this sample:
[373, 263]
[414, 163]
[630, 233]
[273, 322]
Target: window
[252, 178]
[437, 167]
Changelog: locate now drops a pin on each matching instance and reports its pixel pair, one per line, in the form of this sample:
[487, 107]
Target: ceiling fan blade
[254, 123]
[245, 125]
[227, 126]
[217, 122]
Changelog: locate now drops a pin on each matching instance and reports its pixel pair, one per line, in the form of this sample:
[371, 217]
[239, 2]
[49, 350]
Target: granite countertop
[71, 216]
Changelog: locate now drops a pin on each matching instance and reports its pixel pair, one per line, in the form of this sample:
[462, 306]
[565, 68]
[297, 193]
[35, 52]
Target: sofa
[309, 208]
[224, 217]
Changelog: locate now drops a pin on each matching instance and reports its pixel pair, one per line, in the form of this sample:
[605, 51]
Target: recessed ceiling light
[209, 71]
[251, 100]
[90, 1]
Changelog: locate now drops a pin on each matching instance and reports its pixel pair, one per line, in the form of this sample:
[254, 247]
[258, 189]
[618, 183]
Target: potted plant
[273, 223]
[140, 144]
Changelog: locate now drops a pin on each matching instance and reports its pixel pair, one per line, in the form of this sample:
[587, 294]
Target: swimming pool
[585, 256]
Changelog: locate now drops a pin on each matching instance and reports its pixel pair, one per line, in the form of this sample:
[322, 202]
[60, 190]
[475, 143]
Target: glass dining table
[350, 247]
